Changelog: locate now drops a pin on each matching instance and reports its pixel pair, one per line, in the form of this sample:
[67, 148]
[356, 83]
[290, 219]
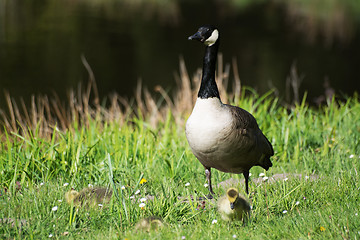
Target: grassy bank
[49, 147]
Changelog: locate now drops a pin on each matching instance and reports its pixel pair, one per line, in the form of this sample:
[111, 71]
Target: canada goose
[149, 223]
[222, 136]
[232, 206]
[89, 196]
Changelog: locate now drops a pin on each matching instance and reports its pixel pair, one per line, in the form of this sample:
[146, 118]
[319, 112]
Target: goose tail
[265, 162]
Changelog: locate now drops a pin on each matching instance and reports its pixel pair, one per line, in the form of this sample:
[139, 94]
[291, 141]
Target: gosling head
[156, 224]
[232, 194]
[71, 195]
[207, 34]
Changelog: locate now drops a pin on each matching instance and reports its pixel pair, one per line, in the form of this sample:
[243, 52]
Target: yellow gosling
[90, 197]
[232, 206]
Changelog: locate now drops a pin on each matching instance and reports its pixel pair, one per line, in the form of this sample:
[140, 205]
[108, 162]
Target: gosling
[150, 223]
[90, 197]
[232, 206]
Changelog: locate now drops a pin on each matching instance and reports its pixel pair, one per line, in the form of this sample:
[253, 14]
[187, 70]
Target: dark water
[41, 43]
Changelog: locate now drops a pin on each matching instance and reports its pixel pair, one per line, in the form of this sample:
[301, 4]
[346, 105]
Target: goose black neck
[208, 87]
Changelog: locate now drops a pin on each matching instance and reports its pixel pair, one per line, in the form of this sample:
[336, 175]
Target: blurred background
[41, 43]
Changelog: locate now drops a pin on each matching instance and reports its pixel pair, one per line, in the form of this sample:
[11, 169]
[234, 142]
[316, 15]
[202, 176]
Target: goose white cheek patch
[213, 38]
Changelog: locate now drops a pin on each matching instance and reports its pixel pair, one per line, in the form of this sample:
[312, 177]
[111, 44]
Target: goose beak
[196, 36]
[232, 206]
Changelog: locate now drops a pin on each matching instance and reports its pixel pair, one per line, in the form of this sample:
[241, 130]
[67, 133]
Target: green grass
[324, 141]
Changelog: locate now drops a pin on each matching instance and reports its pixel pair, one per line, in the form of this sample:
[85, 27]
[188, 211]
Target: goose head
[207, 34]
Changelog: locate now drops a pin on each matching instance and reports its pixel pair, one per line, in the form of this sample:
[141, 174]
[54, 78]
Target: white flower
[100, 205]
[352, 156]
[285, 179]
[50, 235]
[54, 208]
[66, 184]
[306, 177]
[261, 174]
[249, 174]
[206, 185]
[284, 211]
[142, 205]
[234, 236]
[122, 187]
[90, 185]
[214, 221]
[59, 200]
[183, 237]
[265, 179]
[132, 197]
[297, 203]
[137, 192]
[356, 214]
[41, 184]
[187, 184]
[143, 199]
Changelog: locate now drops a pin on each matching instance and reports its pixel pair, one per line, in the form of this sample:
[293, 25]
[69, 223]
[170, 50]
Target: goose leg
[208, 178]
[246, 176]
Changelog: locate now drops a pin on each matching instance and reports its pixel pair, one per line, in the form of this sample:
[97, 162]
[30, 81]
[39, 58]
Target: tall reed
[44, 114]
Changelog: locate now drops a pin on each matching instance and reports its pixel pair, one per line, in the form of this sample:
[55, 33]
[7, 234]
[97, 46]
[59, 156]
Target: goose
[232, 206]
[223, 136]
[91, 196]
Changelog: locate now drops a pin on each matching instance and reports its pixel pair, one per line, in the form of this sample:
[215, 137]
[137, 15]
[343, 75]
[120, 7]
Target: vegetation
[138, 148]
[330, 21]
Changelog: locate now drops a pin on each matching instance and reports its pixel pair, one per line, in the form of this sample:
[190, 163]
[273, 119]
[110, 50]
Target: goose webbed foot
[210, 196]
[207, 197]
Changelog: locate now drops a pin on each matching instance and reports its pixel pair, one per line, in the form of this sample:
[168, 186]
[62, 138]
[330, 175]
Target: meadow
[138, 148]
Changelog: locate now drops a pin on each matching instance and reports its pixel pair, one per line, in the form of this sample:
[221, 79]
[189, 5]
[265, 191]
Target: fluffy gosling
[90, 197]
[232, 206]
[150, 223]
